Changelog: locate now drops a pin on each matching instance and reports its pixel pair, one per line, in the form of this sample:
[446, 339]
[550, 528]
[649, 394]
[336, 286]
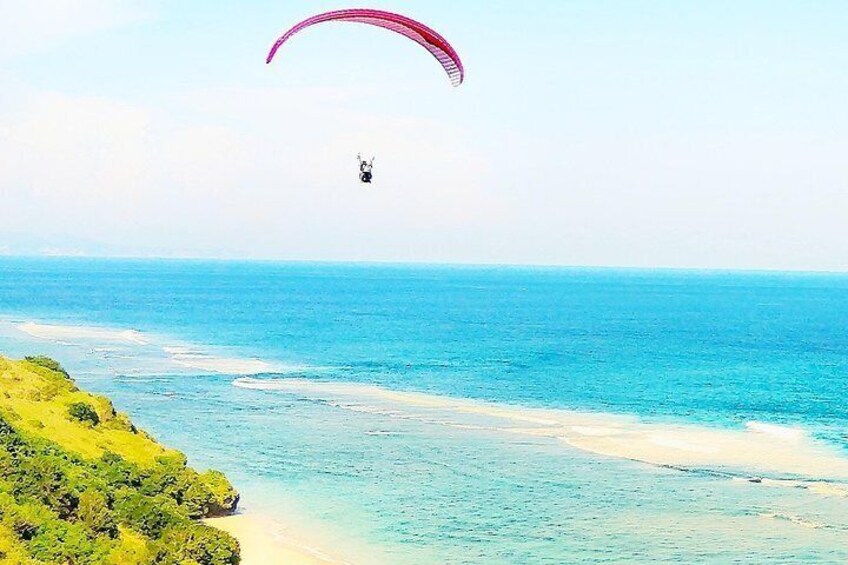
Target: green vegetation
[82, 412]
[47, 363]
[80, 485]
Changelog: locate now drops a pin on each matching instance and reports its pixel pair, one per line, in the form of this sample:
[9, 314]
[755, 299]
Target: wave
[195, 358]
[799, 521]
[794, 519]
[758, 450]
[224, 365]
[825, 488]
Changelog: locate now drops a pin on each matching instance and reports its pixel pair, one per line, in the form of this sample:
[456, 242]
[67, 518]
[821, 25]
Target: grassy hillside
[79, 484]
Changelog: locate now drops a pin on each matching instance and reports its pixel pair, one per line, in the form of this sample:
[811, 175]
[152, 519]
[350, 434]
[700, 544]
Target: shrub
[26, 520]
[84, 413]
[148, 515]
[197, 500]
[169, 477]
[224, 498]
[64, 542]
[47, 363]
[94, 512]
[132, 549]
[197, 543]
[117, 472]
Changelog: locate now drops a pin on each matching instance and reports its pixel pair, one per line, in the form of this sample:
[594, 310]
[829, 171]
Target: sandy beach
[265, 542]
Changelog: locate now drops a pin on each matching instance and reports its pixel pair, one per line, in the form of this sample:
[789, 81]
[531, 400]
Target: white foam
[792, 518]
[785, 433]
[178, 350]
[839, 490]
[63, 333]
[225, 366]
[194, 358]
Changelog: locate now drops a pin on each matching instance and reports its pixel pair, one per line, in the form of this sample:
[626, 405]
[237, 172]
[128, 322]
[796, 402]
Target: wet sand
[264, 542]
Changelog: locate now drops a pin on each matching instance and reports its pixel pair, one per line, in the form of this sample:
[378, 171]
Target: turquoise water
[399, 484]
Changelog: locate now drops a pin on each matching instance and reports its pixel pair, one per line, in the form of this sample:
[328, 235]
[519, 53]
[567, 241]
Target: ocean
[456, 414]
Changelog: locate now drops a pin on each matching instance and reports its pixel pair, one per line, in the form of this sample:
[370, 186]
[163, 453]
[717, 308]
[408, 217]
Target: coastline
[264, 541]
[80, 483]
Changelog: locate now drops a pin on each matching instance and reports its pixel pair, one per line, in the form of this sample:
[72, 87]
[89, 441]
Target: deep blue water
[718, 348]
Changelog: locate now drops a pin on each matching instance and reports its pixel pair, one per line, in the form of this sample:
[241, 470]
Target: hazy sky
[590, 132]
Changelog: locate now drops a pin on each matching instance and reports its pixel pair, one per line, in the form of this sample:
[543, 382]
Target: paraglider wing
[416, 31]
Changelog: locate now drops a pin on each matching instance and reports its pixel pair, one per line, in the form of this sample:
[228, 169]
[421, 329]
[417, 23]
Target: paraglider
[365, 169]
[426, 37]
[416, 31]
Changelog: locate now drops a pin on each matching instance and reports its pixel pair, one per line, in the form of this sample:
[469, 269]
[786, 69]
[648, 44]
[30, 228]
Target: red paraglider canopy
[416, 31]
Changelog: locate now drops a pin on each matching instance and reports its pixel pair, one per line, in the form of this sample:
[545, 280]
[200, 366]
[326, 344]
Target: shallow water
[384, 481]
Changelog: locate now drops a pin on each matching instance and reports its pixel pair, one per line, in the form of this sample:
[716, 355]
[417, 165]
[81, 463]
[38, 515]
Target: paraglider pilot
[365, 169]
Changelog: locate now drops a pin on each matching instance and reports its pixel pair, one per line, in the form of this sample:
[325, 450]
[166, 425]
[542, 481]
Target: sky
[627, 133]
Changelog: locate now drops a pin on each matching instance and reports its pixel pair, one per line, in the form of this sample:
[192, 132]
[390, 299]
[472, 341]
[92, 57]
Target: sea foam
[785, 433]
[64, 333]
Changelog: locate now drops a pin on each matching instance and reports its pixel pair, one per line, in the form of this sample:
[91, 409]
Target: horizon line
[423, 263]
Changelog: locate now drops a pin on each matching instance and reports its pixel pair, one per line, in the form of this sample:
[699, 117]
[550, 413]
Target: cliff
[80, 484]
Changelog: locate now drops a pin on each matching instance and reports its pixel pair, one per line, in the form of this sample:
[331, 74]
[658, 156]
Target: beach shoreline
[265, 541]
